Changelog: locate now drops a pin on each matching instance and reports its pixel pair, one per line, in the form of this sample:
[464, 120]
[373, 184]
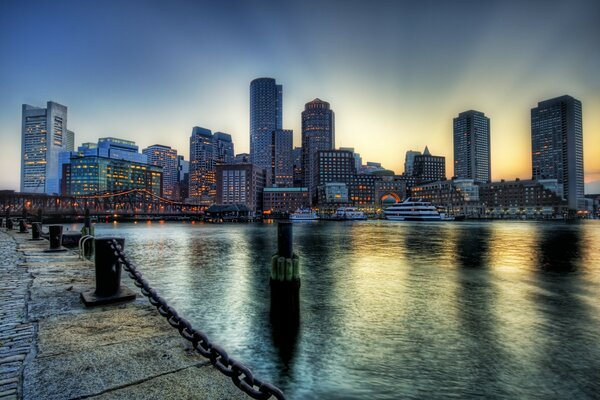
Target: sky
[395, 72]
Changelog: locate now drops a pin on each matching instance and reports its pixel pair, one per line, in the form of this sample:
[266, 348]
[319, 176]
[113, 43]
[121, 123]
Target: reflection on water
[394, 310]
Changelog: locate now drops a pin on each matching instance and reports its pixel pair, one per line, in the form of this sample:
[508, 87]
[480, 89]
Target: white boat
[304, 214]
[349, 213]
[412, 210]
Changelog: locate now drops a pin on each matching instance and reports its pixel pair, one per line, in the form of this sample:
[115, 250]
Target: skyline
[385, 102]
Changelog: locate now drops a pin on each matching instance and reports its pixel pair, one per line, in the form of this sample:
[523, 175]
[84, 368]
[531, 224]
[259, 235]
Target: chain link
[240, 375]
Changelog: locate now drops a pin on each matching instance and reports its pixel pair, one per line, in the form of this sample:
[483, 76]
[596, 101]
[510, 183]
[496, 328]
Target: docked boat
[303, 214]
[349, 214]
[413, 210]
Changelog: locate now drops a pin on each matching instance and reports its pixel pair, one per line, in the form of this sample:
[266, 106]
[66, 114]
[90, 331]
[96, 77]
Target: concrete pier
[52, 347]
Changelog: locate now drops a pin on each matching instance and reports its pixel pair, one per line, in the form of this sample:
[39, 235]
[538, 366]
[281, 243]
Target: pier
[53, 347]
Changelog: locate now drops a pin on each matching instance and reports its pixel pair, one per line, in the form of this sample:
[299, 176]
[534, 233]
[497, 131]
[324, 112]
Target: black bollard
[36, 231]
[23, 226]
[55, 237]
[285, 279]
[108, 276]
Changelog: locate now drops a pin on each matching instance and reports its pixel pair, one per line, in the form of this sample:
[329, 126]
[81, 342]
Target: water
[392, 309]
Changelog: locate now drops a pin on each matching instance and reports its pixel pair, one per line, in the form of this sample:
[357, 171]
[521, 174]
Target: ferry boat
[413, 210]
[349, 213]
[304, 214]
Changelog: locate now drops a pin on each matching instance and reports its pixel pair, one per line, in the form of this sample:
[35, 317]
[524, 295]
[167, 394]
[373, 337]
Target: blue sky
[395, 72]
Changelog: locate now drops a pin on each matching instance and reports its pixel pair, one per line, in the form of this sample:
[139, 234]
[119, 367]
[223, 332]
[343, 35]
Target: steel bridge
[128, 203]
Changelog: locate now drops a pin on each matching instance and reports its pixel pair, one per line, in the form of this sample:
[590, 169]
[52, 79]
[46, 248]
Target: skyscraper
[43, 137]
[297, 159]
[429, 168]
[282, 169]
[472, 146]
[202, 166]
[223, 148]
[165, 157]
[265, 117]
[557, 146]
[318, 133]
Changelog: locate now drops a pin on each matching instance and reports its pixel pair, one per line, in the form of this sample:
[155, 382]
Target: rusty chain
[241, 375]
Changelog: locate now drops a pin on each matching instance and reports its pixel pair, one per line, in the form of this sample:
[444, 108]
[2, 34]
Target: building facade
[266, 116]
[44, 136]
[242, 158]
[183, 179]
[472, 146]
[318, 133]
[166, 158]
[223, 146]
[409, 161]
[297, 160]
[557, 146]
[282, 168]
[280, 201]
[202, 189]
[241, 184]
[428, 168]
[457, 196]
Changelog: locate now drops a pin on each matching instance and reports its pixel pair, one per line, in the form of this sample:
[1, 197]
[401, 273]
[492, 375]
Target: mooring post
[285, 277]
[36, 231]
[108, 276]
[23, 226]
[55, 238]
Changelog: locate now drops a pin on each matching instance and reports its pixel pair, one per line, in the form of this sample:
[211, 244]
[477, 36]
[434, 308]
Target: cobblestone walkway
[16, 334]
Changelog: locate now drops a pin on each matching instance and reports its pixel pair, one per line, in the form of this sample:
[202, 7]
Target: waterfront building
[223, 145]
[428, 168]
[472, 146]
[43, 137]
[357, 157]
[557, 146]
[332, 195]
[92, 174]
[202, 189]
[389, 187]
[241, 184]
[266, 106]
[242, 158]
[409, 160]
[318, 133]
[279, 201]
[282, 168]
[297, 160]
[522, 199]
[362, 189]
[332, 166]
[457, 196]
[166, 158]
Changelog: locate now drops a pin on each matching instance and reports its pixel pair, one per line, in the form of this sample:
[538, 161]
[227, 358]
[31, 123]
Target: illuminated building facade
[166, 158]
[241, 184]
[202, 189]
[332, 166]
[297, 160]
[279, 201]
[318, 133]
[223, 145]
[557, 146]
[266, 106]
[428, 168]
[43, 137]
[472, 146]
[282, 167]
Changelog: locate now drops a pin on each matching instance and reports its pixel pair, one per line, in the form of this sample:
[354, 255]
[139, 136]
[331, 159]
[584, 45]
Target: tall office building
[223, 146]
[183, 179]
[332, 166]
[557, 146]
[409, 160]
[241, 184]
[202, 188]
[297, 160]
[266, 105]
[472, 146]
[70, 141]
[43, 136]
[282, 168]
[165, 157]
[318, 133]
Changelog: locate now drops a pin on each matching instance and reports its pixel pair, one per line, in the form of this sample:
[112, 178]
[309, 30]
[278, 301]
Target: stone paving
[52, 347]
[16, 332]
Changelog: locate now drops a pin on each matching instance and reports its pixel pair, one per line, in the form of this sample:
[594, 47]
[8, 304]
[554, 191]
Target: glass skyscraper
[472, 146]
[318, 133]
[44, 136]
[557, 146]
[266, 105]
[203, 185]
[282, 169]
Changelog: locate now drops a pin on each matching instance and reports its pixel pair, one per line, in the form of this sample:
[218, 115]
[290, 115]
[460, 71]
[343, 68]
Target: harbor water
[393, 310]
